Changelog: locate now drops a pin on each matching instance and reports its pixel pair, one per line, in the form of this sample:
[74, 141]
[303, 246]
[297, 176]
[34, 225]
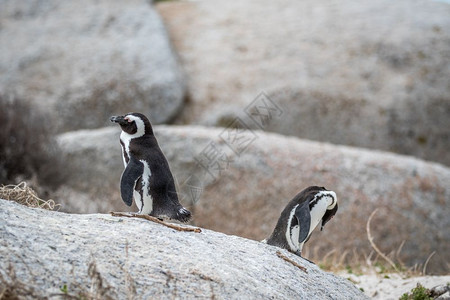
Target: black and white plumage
[301, 216]
[147, 177]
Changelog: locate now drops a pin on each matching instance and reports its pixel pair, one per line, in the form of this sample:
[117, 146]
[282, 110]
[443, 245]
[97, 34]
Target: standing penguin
[147, 176]
[302, 214]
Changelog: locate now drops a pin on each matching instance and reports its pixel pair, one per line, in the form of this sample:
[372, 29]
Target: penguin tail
[183, 215]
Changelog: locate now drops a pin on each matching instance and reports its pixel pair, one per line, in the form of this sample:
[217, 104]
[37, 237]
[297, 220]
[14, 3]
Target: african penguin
[147, 177]
[301, 216]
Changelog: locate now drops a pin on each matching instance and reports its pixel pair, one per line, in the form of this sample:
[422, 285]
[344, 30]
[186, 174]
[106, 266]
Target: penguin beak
[119, 119]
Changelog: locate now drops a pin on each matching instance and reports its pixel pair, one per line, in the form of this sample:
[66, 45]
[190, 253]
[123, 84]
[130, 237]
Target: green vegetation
[64, 289]
[417, 293]
[349, 269]
[381, 268]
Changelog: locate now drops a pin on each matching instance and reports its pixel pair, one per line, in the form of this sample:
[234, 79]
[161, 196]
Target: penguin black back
[147, 177]
[301, 215]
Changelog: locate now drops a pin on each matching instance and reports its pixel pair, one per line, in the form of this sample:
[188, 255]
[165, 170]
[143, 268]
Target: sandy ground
[394, 285]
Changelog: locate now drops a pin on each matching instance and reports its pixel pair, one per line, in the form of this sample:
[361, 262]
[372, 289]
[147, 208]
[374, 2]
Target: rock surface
[86, 60]
[56, 248]
[369, 74]
[393, 286]
[244, 192]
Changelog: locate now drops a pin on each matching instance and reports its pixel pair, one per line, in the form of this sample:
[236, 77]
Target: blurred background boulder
[244, 192]
[86, 60]
[28, 148]
[372, 74]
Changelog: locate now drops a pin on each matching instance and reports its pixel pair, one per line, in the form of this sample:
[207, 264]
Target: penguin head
[331, 210]
[135, 124]
[311, 192]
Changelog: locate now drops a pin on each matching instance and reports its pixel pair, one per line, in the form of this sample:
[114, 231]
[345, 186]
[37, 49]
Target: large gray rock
[373, 74]
[48, 250]
[86, 60]
[244, 192]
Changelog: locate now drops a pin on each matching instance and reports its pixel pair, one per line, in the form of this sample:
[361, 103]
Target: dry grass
[374, 246]
[375, 261]
[130, 283]
[25, 195]
[100, 289]
[91, 286]
[12, 287]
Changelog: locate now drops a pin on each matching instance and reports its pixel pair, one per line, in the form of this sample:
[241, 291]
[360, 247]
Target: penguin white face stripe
[139, 125]
[333, 201]
[329, 195]
[126, 138]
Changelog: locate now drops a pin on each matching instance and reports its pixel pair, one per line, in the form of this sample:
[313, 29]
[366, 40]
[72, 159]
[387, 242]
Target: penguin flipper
[303, 216]
[128, 180]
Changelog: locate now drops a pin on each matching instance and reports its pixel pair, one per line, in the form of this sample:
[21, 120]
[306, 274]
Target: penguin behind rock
[147, 177]
[301, 216]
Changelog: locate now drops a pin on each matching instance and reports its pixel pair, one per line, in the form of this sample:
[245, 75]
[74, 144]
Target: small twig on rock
[291, 261]
[156, 220]
[202, 276]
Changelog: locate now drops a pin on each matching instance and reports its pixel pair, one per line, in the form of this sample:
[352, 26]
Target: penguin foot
[299, 253]
[309, 261]
[183, 215]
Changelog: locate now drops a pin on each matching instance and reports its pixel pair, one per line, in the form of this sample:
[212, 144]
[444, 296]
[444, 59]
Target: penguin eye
[129, 120]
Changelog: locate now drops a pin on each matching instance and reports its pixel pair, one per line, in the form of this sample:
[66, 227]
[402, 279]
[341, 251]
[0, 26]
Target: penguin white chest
[316, 213]
[146, 206]
[142, 198]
